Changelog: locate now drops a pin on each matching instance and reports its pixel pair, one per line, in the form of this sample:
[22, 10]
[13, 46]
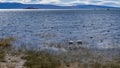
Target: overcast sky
[69, 2]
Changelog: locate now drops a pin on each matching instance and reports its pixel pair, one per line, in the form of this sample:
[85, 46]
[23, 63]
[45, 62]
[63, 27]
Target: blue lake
[95, 28]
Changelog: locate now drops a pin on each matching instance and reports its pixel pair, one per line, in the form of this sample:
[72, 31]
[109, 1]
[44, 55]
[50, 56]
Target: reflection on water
[94, 28]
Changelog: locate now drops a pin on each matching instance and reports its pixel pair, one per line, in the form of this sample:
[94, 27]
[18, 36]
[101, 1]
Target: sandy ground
[12, 62]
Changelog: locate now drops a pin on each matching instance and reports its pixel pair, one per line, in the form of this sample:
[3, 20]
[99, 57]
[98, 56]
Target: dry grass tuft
[2, 56]
[40, 60]
[6, 42]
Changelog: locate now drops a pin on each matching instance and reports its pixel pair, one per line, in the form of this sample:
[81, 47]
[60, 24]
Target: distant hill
[48, 6]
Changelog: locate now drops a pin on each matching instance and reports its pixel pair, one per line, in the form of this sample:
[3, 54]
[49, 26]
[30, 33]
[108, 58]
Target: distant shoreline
[50, 9]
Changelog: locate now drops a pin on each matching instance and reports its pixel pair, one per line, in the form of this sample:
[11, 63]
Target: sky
[115, 3]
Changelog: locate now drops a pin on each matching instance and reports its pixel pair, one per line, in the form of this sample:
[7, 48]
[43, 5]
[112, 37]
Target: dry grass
[2, 56]
[40, 60]
[6, 42]
[91, 65]
[34, 59]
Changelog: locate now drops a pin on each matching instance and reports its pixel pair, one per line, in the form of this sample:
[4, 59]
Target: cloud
[115, 3]
[50, 1]
[34, 1]
[12, 1]
[111, 4]
[69, 2]
[80, 1]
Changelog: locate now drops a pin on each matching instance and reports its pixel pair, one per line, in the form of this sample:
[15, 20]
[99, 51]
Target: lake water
[95, 28]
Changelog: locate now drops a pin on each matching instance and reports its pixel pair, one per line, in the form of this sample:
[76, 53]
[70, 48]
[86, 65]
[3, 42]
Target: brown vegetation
[40, 60]
[2, 56]
[5, 42]
[72, 58]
